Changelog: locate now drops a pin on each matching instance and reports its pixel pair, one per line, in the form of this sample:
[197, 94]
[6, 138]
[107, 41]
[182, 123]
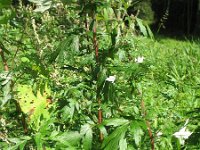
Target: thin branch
[147, 122]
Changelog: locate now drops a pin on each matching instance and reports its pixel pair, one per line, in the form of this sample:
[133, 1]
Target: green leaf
[103, 130]
[68, 111]
[68, 138]
[122, 143]
[38, 140]
[66, 49]
[105, 14]
[137, 132]
[25, 59]
[19, 142]
[112, 141]
[150, 33]
[115, 122]
[142, 27]
[35, 106]
[54, 134]
[5, 82]
[86, 132]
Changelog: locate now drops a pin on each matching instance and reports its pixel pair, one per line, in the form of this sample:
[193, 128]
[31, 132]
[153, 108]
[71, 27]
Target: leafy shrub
[77, 78]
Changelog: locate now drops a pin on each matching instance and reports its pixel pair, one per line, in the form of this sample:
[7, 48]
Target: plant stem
[146, 121]
[95, 44]
[148, 124]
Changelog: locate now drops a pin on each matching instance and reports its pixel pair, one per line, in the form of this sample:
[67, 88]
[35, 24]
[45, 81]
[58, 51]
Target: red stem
[95, 44]
[148, 125]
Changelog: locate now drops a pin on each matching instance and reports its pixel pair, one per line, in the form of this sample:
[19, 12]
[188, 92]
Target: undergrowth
[78, 78]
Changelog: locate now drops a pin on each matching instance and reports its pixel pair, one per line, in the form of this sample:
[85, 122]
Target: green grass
[172, 85]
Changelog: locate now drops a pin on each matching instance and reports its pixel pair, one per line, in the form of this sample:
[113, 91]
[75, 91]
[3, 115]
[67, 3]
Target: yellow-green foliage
[34, 106]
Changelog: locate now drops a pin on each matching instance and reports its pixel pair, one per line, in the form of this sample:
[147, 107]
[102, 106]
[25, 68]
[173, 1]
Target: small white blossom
[139, 59]
[183, 134]
[111, 79]
[159, 134]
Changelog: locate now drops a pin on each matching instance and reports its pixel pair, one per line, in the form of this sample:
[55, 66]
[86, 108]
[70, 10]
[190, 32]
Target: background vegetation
[83, 74]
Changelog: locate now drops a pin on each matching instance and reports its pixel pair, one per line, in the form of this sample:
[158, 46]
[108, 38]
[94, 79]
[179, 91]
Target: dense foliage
[75, 74]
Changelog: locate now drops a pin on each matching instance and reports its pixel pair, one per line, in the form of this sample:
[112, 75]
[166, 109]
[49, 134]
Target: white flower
[139, 59]
[111, 79]
[183, 134]
[159, 134]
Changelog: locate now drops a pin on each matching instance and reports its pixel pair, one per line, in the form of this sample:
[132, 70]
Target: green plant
[78, 78]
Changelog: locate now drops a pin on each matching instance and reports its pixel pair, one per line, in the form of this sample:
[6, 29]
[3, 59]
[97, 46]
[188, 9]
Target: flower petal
[111, 79]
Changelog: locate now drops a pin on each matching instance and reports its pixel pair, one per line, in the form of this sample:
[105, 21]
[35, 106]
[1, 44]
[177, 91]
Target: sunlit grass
[171, 87]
